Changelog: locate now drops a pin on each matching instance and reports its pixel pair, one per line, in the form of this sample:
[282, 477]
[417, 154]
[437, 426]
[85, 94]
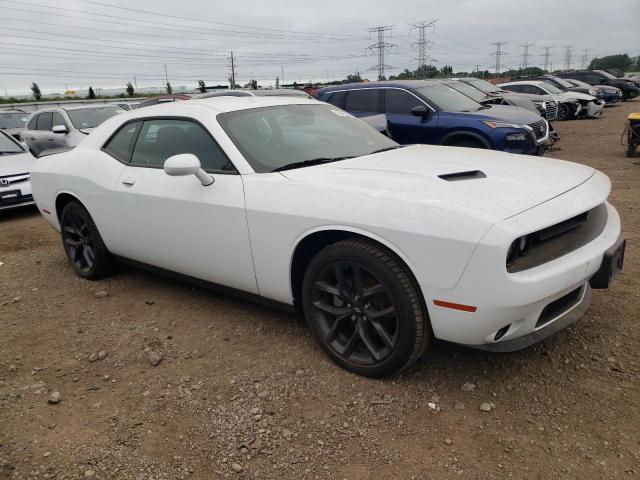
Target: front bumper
[594, 109]
[16, 195]
[509, 306]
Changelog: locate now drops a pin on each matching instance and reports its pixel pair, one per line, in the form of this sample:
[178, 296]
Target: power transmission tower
[568, 56]
[380, 47]
[232, 76]
[498, 53]
[422, 44]
[526, 54]
[547, 56]
[584, 60]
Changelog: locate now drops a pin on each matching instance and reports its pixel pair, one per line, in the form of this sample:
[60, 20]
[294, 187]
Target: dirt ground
[242, 391]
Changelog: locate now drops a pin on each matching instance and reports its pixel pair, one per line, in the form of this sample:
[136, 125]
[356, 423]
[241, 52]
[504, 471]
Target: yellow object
[634, 116]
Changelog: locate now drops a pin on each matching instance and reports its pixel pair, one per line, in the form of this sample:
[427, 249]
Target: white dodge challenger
[296, 202]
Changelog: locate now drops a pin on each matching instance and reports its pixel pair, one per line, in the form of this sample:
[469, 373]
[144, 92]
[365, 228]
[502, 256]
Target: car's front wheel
[564, 112]
[364, 308]
[83, 244]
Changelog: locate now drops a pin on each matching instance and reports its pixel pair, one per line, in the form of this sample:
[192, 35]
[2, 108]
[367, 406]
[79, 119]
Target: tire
[371, 323]
[467, 143]
[83, 244]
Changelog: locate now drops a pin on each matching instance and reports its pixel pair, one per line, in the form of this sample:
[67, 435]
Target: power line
[380, 48]
[526, 54]
[422, 44]
[568, 55]
[547, 56]
[498, 54]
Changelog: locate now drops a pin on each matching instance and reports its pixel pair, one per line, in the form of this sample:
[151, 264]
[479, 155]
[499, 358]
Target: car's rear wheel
[83, 244]
[364, 308]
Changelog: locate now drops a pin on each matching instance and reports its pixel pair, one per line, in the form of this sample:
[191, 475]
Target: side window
[337, 99]
[44, 122]
[57, 119]
[399, 101]
[365, 100]
[121, 144]
[593, 79]
[536, 90]
[161, 139]
[513, 88]
[32, 123]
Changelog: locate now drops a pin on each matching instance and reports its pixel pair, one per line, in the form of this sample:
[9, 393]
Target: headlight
[517, 137]
[593, 92]
[518, 248]
[492, 124]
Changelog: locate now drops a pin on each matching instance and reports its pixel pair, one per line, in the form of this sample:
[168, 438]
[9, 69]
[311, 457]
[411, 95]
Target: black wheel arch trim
[463, 134]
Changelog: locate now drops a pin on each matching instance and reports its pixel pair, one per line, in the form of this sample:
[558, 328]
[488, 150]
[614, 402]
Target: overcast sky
[105, 43]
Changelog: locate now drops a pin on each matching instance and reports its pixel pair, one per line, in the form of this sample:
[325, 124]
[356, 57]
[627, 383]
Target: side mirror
[187, 164]
[60, 129]
[420, 111]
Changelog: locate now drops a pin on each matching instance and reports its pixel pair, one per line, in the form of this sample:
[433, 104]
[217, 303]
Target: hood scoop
[459, 176]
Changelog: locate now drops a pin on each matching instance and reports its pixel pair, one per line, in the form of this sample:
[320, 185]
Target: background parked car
[64, 127]
[572, 104]
[428, 111]
[13, 122]
[610, 95]
[600, 77]
[546, 105]
[15, 165]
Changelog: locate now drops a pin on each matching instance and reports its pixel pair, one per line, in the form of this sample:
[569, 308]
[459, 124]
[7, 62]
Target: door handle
[50, 139]
[128, 181]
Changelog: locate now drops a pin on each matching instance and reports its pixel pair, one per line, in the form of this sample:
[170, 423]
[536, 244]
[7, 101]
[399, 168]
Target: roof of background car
[526, 82]
[218, 105]
[386, 83]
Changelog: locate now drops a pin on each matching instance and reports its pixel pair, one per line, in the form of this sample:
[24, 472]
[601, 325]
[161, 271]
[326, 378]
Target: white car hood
[16, 164]
[513, 183]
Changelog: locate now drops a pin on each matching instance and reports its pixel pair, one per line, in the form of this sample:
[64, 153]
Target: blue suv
[429, 111]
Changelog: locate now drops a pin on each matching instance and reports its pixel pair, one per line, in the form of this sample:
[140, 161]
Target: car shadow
[18, 213]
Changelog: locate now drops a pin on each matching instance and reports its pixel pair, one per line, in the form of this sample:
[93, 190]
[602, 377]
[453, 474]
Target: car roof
[526, 82]
[385, 83]
[219, 104]
[67, 108]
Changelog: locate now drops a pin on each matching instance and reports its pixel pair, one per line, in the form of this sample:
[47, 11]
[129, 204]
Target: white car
[571, 104]
[296, 202]
[15, 165]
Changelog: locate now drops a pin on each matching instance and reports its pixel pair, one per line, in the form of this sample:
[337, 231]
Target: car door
[29, 134]
[58, 140]
[176, 223]
[404, 127]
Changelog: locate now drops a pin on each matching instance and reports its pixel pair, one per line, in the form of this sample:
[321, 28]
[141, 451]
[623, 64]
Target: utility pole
[498, 53]
[282, 69]
[232, 77]
[568, 56]
[584, 60]
[380, 48]
[547, 56]
[526, 54]
[166, 76]
[422, 44]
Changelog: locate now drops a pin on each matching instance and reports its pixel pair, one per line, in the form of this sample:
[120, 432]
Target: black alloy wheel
[82, 243]
[364, 309]
[564, 112]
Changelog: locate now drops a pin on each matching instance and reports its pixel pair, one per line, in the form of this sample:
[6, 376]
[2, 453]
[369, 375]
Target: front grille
[7, 180]
[540, 129]
[552, 111]
[559, 306]
[560, 239]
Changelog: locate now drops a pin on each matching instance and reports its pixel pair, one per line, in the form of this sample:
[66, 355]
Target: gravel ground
[157, 379]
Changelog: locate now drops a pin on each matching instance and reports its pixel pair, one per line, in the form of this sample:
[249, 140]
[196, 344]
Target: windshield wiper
[386, 149]
[309, 163]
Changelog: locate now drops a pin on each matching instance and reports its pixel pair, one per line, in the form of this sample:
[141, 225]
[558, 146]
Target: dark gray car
[64, 127]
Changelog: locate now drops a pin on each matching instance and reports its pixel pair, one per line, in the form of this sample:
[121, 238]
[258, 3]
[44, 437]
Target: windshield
[8, 146]
[562, 82]
[448, 99]
[483, 85]
[606, 74]
[13, 120]
[92, 117]
[272, 137]
[469, 91]
[579, 83]
[550, 88]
